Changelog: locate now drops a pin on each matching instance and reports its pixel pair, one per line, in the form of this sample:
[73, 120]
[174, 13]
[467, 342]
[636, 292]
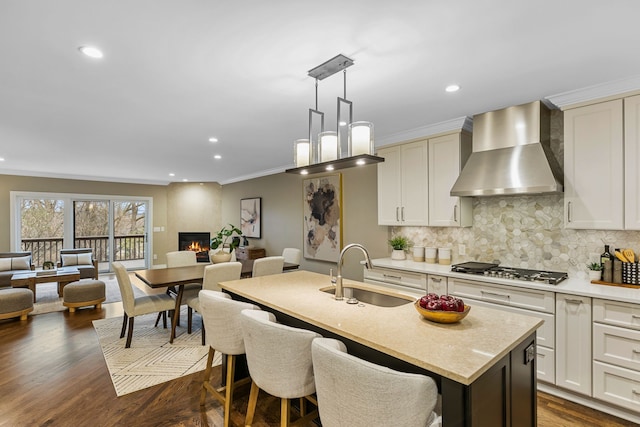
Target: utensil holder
[631, 273]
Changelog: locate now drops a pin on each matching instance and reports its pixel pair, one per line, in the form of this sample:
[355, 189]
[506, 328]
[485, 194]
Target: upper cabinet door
[632, 163]
[389, 190]
[447, 155]
[415, 185]
[402, 185]
[593, 166]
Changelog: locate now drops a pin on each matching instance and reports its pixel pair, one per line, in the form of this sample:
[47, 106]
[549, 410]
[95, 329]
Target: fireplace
[197, 242]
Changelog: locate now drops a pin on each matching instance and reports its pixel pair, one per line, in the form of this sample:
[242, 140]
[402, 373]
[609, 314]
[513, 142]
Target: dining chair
[213, 274]
[279, 361]
[138, 306]
[184, 259]
[268, 265]
[292, 255]
[356, 393]
[221, 315]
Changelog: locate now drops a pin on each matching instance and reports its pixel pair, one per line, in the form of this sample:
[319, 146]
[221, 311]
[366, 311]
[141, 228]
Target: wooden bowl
[440, 316]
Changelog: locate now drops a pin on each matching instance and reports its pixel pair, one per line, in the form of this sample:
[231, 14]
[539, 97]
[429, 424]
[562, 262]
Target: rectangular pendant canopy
[332, 66]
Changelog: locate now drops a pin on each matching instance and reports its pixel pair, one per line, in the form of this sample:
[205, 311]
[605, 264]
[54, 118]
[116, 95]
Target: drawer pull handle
[634, 351]
[635, 316]
[495, 294]
[573, 301]
[636, 392]
[436, 279]
[392, 277]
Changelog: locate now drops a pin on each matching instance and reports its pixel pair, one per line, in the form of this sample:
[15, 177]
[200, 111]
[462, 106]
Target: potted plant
[220, 241]
[595, 271]
[400, 244]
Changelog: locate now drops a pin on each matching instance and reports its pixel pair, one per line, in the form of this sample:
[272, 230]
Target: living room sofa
[14, 263]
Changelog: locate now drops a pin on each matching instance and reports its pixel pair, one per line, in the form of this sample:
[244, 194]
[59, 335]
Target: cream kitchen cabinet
[593, 166]
[403, 185]
[573, 343]
[616, 353]
[447, 156]
[529, 302]
[632, 163]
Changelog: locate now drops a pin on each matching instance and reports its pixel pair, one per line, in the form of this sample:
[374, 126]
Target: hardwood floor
[53, 374]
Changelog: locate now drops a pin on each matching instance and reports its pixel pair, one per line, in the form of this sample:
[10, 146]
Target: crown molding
[37, 174]
[259, 174]
[590, 93]
[460, 123]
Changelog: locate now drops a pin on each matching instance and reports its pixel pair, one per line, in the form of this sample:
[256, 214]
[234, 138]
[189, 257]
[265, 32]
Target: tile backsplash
[522, 231]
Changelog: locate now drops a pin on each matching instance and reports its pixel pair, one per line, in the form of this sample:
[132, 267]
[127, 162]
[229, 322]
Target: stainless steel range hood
[511, 154]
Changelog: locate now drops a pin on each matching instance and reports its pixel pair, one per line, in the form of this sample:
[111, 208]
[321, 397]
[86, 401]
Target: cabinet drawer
[546, 364]
[616, 313]
[616, 385]
[396, 277]
[618, 346]
[545, 335]
[437, 284]
[505, 295]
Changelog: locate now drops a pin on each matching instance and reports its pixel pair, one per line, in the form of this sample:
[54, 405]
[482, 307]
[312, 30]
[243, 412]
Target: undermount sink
[371, 297]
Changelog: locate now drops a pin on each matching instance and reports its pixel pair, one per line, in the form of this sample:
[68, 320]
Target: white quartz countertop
[572, 286]
[461, 351]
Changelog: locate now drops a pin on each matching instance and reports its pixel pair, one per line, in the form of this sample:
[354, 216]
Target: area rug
[151, 359]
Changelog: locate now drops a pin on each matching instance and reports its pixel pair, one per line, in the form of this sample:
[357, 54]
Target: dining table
[177, 277]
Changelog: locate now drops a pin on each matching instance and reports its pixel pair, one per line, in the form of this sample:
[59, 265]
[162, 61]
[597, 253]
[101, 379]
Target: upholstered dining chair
[279, 361]
[292, 255]
[268, 265]
[213, 274]
[184, 259]
[221, 315]
[137, 306]
[355, 393]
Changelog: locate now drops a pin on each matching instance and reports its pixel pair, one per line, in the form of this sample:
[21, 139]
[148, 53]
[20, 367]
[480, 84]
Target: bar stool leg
[251, 407]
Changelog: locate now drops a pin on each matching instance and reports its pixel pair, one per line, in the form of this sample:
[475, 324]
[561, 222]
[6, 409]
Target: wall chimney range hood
[511, 154]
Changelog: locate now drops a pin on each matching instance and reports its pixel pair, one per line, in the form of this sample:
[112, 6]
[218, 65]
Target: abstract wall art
[322, 211]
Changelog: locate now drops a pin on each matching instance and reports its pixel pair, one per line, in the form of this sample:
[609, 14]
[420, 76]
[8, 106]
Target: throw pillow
[84, 259]
[21, 263]
[69, 259]
[5, 264]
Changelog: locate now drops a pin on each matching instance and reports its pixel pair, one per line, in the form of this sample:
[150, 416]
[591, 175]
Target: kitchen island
[484, 365]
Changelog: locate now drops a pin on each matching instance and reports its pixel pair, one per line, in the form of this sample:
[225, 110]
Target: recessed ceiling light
[452, 88]
[330, 167]
[213, 139]
[172, 174]
[342, 123]
[217, 157]
[185, 180]
[91, 52]
[1, 159]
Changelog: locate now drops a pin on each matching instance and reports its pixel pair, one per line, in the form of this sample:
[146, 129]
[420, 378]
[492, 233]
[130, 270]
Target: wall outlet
[462, 249]
[155, 256]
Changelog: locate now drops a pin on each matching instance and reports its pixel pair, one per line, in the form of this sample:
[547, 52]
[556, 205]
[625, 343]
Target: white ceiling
[176, 72]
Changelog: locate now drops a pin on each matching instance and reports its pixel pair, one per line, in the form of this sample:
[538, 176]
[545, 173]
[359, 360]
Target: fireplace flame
[195, 246]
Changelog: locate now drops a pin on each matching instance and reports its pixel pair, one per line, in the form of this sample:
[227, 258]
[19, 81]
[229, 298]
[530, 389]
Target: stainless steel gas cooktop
[495, 270]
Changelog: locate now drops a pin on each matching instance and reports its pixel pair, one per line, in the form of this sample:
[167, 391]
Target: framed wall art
[322, 217]
[251, 217]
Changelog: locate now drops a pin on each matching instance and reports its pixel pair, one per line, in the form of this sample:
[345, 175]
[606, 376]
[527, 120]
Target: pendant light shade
[302, 153]
[360, 138]
[328, 148]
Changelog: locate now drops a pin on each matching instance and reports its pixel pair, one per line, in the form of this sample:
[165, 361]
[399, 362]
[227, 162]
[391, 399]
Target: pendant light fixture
[322, 151]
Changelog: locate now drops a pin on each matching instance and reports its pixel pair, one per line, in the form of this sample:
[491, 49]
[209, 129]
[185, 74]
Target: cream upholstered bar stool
[184, 259]
[292, 255]
[213, 274]
[355, 393]
[279, 361]
[267, 266]
[137, 306]
[221, 315]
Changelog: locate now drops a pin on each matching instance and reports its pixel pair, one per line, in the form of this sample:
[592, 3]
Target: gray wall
[282, 221]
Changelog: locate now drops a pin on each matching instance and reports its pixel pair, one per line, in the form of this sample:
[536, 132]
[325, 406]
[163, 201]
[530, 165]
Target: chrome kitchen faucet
[339, 293]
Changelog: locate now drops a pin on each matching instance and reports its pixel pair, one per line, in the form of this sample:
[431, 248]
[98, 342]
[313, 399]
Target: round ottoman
[83, 293]
[15, 302]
